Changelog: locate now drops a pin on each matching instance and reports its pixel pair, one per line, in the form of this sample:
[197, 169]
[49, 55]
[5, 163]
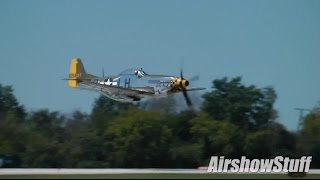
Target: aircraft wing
[195, 89]
[115, 89]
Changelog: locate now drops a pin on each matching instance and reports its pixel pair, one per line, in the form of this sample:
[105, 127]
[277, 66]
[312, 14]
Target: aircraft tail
[77, 73]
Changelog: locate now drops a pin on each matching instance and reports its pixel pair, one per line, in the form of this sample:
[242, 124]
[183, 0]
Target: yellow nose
[184, 83]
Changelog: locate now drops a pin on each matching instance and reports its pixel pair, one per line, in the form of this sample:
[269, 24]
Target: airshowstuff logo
[278, 164]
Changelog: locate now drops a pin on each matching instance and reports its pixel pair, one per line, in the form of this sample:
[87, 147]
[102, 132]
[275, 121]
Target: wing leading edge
[116, 89]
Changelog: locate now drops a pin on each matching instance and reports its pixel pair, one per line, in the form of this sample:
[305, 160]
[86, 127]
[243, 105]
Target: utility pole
[301, 118]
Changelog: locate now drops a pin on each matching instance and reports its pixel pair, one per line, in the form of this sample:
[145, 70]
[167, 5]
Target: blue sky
[268, 43]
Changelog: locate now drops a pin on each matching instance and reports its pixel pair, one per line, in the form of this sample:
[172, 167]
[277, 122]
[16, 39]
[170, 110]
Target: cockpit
[137, 72]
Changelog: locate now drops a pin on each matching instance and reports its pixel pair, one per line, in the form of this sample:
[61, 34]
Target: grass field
[159, 176]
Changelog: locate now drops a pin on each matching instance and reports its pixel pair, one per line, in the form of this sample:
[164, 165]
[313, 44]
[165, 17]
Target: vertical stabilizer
[77, 72]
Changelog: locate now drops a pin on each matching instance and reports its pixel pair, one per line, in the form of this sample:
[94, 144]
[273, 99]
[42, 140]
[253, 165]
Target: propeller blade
[194, 78]
[181, 66]
[186, 97]
[184, 90]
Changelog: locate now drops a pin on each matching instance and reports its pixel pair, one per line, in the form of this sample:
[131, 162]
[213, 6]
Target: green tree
[138, 139]
[181, 125]
[12, 125]
[9, 103]
[183, 151]
[185, 155]
[276, 141]
[42, 152]
[257, 144]
[12, 136]
[281, 141]
[311, 126]
[246, 106]
[217, 137]
[310, 136]
[83, 147]
[105, 110]
[43, 140]
[46, 123]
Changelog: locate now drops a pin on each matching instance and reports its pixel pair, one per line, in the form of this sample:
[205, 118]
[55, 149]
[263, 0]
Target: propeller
[183, 84]
[194, 78]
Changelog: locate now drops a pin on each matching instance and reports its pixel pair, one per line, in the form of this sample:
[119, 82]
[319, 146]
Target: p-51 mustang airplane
[130, 85]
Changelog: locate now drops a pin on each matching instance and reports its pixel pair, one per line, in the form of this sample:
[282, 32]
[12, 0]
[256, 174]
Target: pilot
[139, 73]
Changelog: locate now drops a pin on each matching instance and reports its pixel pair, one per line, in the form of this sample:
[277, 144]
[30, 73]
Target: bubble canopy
[133, 71]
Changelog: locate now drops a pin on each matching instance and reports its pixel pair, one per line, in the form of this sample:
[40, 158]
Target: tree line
[234, 120]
